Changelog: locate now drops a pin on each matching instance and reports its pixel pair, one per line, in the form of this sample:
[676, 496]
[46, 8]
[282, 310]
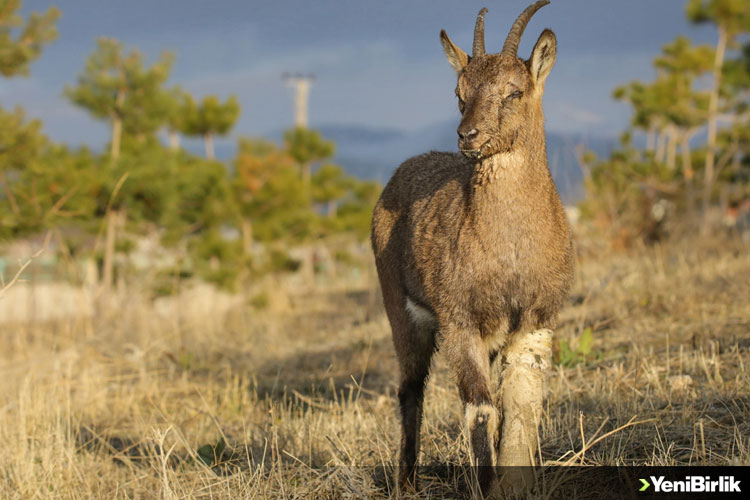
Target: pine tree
[116, 87]
[732, 18]
[647, 109]
[16, 52]
[670, 109]
[21, 144]
[45, 185]
[270, 194]
[209, 118]
[20, 141]
[680, 65]
[355, 211]
[733, 165]
[307, 146]
[175, 104]
[664, 108]
[673, 108]
[330, 184]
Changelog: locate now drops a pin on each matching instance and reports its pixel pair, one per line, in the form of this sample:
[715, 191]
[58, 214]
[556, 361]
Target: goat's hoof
[408, 483]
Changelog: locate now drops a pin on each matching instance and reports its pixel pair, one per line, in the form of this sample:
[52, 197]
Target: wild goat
[474, 255]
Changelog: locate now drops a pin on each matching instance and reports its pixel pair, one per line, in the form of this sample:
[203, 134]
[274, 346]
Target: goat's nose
[467, 134]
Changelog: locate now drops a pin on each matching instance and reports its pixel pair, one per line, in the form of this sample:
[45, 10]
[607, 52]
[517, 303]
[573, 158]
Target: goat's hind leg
[414, 340]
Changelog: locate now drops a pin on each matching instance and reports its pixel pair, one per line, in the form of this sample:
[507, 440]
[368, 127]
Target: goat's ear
[457, 57]
[543, 57]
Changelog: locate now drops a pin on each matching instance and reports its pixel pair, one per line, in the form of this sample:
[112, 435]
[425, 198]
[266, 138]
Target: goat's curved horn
[478, 49]
[514, 37]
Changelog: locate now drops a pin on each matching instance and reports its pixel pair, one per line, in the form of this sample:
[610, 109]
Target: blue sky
[378, 63]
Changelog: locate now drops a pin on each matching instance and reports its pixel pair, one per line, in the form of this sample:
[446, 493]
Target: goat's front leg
[526, 363]
[469, 360]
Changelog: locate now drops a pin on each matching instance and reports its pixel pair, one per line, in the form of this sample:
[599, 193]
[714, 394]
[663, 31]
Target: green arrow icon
[645, 486]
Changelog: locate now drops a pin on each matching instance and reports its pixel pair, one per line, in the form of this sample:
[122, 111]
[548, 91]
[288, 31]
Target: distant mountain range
[374, 153]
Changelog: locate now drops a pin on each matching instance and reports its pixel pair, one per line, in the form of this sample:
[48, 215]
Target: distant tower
[301, 84]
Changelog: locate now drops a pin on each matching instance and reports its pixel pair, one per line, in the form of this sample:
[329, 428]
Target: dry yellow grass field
[290, 393]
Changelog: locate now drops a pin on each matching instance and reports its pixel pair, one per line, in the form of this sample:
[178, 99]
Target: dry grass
[299, 403]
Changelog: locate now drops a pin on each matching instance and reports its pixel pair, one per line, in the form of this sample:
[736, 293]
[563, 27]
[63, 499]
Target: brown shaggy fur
[473, 249]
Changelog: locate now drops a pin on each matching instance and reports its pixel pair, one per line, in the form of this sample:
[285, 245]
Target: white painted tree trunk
[713, 105]
[209, 140]
[114, 148]
[174, 140]
[661, 147]
[109, 249]
[671, 147]
[247, 236]
[687, 170]
[651, 138]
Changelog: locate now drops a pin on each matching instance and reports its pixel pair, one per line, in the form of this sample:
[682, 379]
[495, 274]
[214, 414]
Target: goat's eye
[515, 95]
[461, 105]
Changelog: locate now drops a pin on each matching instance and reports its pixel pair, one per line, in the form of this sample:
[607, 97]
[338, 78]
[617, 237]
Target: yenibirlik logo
[693, 484]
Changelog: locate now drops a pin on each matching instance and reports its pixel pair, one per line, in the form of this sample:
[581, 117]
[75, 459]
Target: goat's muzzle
[469, 142]
[472, 154]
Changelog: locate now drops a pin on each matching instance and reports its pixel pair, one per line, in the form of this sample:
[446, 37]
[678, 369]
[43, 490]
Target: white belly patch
[420, 315]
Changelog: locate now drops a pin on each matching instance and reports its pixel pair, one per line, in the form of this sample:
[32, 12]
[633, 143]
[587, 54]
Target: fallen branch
[589, 445]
